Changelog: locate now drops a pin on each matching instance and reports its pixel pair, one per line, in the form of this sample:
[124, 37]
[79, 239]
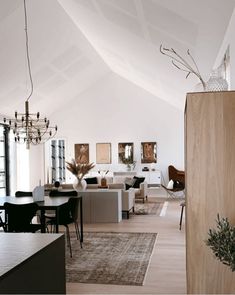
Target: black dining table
[50, 203]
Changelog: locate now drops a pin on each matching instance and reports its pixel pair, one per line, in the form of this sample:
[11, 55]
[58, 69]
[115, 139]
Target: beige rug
[148, 208]
[110, 258]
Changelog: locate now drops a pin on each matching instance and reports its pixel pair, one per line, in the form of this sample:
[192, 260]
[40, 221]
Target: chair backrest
[68, 212]
[23, 194]
[74, 206]
[56, 193]
[19, 216]
[176, 175]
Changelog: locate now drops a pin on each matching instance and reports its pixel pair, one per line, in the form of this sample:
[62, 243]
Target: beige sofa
[142, 192]
[128, 196]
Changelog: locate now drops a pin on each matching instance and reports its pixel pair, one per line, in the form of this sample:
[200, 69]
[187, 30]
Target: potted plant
[222, 242]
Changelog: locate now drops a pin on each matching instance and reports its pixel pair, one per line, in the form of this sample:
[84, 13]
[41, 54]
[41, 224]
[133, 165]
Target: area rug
[148, 208]
[110, 258]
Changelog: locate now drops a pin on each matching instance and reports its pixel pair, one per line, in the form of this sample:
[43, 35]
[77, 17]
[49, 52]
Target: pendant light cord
[27, 50]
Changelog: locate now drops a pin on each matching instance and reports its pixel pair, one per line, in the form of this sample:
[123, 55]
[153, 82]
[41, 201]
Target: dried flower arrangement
[103, 173]
[79, 170]
[182, 64]
[222, 242]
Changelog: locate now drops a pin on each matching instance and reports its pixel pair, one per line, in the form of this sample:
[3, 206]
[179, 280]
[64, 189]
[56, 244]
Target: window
[57, 160]
[4, 161]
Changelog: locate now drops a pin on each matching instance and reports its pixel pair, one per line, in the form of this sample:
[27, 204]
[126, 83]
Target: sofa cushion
[91, 180]
[170, 184]
[138, 181]
[178, 185]
[129, 182]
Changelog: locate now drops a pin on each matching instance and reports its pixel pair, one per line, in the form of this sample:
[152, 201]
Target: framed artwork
[82, 153]
[125, 152]
[103, 153]
[148, 152]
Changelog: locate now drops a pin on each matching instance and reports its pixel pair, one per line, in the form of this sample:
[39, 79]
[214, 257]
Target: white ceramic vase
[79, 184]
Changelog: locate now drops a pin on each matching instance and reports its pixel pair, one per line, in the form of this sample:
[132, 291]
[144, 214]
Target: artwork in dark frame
[81, 153]
[148, 152]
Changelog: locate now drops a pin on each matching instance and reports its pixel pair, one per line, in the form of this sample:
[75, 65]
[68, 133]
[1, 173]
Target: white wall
[229, 40]
[115, 110]
[36, 166]
[29, 166]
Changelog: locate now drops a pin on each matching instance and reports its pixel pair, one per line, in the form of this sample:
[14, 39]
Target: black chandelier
[28, 127]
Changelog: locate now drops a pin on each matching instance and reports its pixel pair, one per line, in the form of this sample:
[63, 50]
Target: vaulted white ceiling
[74, 43]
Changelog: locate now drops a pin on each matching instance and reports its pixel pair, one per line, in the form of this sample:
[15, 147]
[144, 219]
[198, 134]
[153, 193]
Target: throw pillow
[170, 184]
[178, 184]
[129, 182]
[91, 180]
[138, 181]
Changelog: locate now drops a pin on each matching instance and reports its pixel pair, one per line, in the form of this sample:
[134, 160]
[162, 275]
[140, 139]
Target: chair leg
[78, 233]
[68, 240]
[181, 216]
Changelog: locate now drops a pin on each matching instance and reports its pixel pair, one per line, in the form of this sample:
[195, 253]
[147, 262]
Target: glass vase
[216, 82]
[79, 184]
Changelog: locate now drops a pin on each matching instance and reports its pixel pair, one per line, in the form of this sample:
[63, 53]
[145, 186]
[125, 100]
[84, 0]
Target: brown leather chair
[178, 177]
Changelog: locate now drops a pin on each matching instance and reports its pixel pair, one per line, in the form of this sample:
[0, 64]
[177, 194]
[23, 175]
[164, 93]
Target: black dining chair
[23, 194]
[68, 214]
[55, 193]
[19, 217]
[2, 223]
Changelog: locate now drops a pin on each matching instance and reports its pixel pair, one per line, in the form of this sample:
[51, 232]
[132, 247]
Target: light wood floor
[166, 273]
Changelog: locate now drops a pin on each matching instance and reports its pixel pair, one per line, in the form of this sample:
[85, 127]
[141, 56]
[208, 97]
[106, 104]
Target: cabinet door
[155, 177]
[152, 177]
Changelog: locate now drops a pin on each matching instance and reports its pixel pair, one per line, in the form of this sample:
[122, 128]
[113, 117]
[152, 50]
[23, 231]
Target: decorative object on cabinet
[79, 170]
[148, 152]
[182, 64]
[103, 153]
[82, 153]
[103, 181]
[210, 166]
[222, 241]
[216, 82]
[126, 153]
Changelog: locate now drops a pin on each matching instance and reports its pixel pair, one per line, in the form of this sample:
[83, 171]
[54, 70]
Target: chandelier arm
[27, 50]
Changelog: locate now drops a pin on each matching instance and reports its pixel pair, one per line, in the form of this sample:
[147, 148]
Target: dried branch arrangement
[79, 170]
[182, 64]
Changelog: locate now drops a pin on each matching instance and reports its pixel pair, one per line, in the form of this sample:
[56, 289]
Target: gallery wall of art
[116, 111]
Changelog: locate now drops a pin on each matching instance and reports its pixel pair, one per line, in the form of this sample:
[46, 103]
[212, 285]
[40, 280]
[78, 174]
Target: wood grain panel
[210, 185]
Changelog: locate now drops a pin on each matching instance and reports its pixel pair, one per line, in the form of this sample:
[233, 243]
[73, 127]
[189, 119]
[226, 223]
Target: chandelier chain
[27, 50]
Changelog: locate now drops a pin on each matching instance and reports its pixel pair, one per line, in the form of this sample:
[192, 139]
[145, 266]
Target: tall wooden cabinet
[210, 186]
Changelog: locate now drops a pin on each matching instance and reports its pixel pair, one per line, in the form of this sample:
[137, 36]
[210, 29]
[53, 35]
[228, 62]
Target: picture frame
[103, 153]
[148, 152]
[81, 151]
[125, 152]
